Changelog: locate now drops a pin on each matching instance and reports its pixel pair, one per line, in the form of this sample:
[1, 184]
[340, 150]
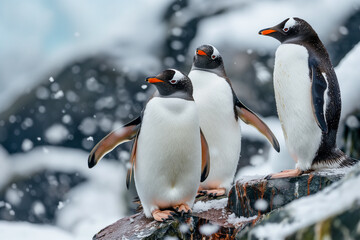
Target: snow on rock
[201, 206]
[87, 208]
[233, 219]
[25, 230]
[309, 210]
[246, 18]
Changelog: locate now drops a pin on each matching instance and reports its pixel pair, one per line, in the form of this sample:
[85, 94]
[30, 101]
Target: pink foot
[182, 208]
[162, 216]
[285, 174]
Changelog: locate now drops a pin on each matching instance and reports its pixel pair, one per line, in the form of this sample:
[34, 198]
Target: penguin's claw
[162, 216]
[182, 209]
[286, 174]
[214, 192]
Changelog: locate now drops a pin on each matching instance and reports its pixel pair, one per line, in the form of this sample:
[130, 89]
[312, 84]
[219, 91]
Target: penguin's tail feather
[349, 161]
[334, 159]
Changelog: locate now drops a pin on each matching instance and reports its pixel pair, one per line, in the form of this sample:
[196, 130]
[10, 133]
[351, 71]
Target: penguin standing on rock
[307, 98]
[170, 155]
[219, 110]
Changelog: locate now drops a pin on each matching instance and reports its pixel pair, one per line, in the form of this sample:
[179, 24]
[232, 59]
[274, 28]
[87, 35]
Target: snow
[25, 230]
[309, 210]
[347, 73]
[201, 206]
[64, 31]
[208, 229]
[87, 208]
[234, 220]
[246, 18]
[261, 204]
[56, 133]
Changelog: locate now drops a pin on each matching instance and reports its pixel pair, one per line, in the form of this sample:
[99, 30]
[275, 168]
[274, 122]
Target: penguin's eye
[285, 29]
[213, 56]
[173, 81]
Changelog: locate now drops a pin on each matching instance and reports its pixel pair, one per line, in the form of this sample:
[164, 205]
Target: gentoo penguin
[219, 110]
[307, 97]
[170, 154]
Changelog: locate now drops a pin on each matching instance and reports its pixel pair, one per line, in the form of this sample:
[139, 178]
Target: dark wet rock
[37, 197]
[244, 195]
[343, 223]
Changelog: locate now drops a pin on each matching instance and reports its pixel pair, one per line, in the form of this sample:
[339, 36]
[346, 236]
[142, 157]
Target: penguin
[219, 110]
[170, 154]
[307, 98]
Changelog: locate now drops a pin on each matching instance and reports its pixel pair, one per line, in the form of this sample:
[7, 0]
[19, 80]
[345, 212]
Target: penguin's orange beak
[201, 52]
[267, 31]
[153, 80]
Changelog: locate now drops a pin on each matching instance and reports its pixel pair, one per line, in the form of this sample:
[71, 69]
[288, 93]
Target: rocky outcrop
[331, 214]
[225, 218]
[258, 196]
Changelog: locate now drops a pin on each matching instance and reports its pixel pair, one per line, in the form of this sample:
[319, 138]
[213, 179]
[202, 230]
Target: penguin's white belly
[292, 86]
[214, 100]
[168, 159]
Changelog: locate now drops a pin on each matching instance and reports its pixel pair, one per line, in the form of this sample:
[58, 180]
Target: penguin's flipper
[205, 158]
[249, 117]
[132, 161]
[112, 140]
[318, 88]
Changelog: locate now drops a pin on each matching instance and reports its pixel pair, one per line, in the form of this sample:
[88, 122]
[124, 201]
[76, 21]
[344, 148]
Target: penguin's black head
[172, 83]
[290, 29]
[207, 57]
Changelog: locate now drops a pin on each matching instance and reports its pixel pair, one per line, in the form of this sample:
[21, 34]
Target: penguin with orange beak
[170, 154]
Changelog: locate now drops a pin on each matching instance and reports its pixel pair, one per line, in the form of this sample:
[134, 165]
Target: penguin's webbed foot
[285, 174]
[162, 216]
[213, 192]
[182, 208]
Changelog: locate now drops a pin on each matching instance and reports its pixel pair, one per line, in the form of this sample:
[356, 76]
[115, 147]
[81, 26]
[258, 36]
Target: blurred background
[72, 71]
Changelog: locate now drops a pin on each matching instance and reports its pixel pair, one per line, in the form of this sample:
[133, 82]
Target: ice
[56, 133]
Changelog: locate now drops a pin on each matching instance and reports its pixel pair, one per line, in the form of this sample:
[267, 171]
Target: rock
[249, 198]
[218, 223]
[225, 218]
[333, 213]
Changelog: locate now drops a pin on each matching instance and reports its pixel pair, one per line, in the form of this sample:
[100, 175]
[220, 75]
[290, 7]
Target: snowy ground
[87, 208]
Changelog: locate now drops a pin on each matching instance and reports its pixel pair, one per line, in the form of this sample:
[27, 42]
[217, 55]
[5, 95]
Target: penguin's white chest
[292, 86]
[214, 100]
[168, 159]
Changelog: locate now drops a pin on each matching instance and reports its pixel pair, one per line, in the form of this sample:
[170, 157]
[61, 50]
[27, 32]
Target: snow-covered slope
[86, 209]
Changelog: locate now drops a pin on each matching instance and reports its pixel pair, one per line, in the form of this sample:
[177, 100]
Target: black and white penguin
[170, 155]
[219, 110]
[307, 97]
